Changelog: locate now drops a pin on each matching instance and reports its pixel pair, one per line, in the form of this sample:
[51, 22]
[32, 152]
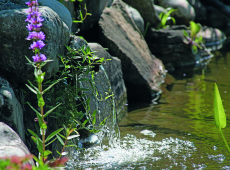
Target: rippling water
[177, 132]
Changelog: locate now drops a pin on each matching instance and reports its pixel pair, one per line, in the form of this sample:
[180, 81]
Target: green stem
[42, 113]
[224, 139]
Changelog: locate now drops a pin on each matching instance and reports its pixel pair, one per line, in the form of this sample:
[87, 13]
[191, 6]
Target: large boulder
[142, 72]
[10, 109]
[146, 9]
[14, 47]
[185, 12]
[135, 15]
[11, 144]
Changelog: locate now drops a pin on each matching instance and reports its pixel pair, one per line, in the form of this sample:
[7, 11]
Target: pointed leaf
[48, 112]
[219, 114]
[53, 134]
[31, 89]
[60, 140]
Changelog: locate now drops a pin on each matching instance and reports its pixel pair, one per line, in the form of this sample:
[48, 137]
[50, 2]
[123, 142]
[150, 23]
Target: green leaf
[94, 117]
[47, 152]
[195, 28]
[48, 112]
[33, 108]
[44, 91]
[185, 33]
[39, 145]
[33, 133]
[53, 134]
[219, 114]
[60, 140]
[194, 49]
[31, 89]
[103, 122]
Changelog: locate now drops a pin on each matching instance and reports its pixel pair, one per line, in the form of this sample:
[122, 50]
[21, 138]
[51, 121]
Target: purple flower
[39, 58]
[37, 44]
[36, 35]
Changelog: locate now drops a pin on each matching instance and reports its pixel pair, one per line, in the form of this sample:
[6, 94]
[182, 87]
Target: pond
[175, 132]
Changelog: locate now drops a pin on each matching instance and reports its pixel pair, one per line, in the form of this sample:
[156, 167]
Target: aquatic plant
[195, 41]
[219, 114]
[166, 17]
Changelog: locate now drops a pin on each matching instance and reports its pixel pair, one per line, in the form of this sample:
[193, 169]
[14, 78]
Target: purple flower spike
[34, 19]
[39, 58]
[37, 44]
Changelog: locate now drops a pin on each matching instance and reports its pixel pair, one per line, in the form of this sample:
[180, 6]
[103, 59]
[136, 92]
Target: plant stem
[42, 114]
[224, 139]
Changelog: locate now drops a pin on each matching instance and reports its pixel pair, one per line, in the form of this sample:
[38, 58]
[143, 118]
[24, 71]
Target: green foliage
[195, 41]
[219, 114]
[165, 17]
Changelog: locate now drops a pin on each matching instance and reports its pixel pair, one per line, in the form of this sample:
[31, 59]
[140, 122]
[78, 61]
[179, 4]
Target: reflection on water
[177, 133]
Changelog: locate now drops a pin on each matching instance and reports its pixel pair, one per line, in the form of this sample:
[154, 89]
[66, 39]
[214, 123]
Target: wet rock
[168, 45]
[185, 12]
[10, 109]
[146, 9]
[140, 68]
[14, 47]
[11, 144]
[135, 15]
[213, 38]
[115, 75]
[94, 7]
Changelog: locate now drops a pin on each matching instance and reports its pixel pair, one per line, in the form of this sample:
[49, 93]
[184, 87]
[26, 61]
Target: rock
[146, 9]
[14, 47]
[135, 15]
[55, 5]
[185, 12]
[94, 7]
[115, 75]
[60, 9]
[216, 19]
[10, 109]
[159, 9]
[213, 38]
[11, 144]
[168, 45]
[120, 35]
[200, 10]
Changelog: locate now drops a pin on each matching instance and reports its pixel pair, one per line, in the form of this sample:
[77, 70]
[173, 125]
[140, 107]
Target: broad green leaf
[39, 145]
[195, 28]
[219, 114]
[185, 33]
[33, 133]
[48, 112]
[47, 152]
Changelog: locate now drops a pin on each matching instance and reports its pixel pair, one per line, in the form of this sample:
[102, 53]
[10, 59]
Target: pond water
[175, 132]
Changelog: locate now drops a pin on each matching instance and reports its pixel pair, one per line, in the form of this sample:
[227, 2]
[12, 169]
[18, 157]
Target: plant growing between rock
[166, 17]
[195, 41]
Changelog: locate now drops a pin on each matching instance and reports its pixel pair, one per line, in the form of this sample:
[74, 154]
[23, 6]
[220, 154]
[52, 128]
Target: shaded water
[177, 132]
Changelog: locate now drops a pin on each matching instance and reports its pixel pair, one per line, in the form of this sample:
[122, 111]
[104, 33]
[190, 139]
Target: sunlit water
[176, 132]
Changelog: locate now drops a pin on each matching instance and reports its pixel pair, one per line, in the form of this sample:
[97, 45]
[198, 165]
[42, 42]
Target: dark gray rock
[14, 47]
[10, 109]
[114, 73]
[146, 9]
[168, 45]
[185, 12]
[11, 144]
[119, 33]
[94, 7]
[200, 10]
